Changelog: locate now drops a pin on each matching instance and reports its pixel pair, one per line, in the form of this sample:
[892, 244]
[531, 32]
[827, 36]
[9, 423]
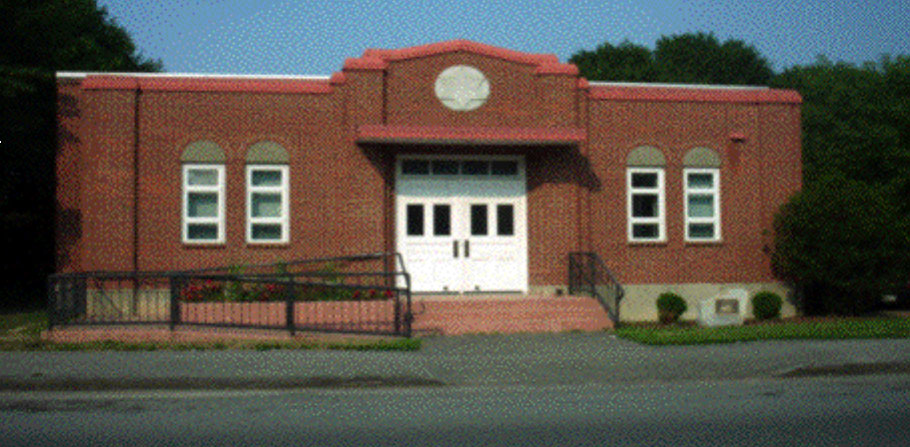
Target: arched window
[267, 198]
[645, 195]
[701, 189]
[203, 193]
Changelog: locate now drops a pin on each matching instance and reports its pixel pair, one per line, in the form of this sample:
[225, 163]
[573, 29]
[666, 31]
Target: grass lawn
[797, 328]
[21, 332]
[27, 324]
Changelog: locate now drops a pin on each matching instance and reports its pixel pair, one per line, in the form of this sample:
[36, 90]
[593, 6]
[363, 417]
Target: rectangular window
[203, 204]
[474, 167]
[478, 220]
[442, 220]
[415, 167]
[504, 168]
[415, 220]
[645, 199]
[702, 203]
[445, 167]
[267, 204]
[505, 220]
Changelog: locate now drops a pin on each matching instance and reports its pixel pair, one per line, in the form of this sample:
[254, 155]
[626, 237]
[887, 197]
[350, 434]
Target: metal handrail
[67, 296]
[154, 273]
[588, 272]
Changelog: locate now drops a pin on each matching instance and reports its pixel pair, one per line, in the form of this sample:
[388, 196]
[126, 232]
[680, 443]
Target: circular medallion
[462, 88]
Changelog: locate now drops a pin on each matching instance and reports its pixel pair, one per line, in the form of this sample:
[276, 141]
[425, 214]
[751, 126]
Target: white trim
[83, 74]
[218, 189]
[282, 190]
[660, 219]
[520, 175]
[679, 86]
[713, 191]
[431, 259]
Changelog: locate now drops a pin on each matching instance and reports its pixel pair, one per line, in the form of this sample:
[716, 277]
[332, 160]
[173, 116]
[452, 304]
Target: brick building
[483, 166]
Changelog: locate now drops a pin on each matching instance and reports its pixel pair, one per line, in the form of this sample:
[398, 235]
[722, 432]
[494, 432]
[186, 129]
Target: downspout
[136, 198]
[136, 180]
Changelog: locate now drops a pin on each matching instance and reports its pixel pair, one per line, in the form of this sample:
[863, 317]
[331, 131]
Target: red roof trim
[556, 69]
[110, 83]
[208, 85]
[365, 63]
[445, 134]
[662, 94]
[469, 46]
[337, 78]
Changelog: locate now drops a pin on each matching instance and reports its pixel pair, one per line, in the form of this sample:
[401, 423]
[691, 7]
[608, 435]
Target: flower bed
[311, 313]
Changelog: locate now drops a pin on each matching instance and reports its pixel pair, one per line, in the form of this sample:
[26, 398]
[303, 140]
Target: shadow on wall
[546, 163]
[560, 164]
[69, 231]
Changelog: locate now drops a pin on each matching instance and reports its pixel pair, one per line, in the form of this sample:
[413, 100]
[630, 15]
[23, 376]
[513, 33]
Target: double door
[463, 232]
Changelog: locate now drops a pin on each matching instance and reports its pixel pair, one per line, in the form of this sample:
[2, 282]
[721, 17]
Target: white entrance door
[462, 223]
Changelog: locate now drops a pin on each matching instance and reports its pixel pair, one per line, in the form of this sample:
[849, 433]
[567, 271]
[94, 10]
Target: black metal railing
[589, 275]
[340, 294]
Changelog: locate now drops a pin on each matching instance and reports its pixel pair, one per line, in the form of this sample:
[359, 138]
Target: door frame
[520, 218]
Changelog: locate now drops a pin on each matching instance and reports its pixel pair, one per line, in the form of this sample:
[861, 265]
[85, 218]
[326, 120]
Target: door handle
[455, 248]
[467, 248]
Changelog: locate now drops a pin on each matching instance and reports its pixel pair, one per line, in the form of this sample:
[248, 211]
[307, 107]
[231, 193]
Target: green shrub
[669, 307]
[766, 305]
[843, 244]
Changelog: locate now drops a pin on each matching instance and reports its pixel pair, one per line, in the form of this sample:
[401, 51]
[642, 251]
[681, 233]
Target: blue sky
[314, 37]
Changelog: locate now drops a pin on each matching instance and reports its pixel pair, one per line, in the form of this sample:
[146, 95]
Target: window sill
[663, 243]
[695, 243]
[204, 245]
[267, 245]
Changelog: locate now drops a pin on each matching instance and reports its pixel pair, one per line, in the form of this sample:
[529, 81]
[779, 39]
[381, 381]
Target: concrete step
[466, 314]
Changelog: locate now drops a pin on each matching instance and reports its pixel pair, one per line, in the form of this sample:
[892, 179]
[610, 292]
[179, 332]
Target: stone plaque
[726, 307]
[462, 88]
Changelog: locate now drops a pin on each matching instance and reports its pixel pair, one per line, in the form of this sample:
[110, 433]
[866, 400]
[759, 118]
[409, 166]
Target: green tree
[699, 58]
[856, 122]
[844, 243]
[844, 239]
[692, 58]
[624, 62]
[37, 38]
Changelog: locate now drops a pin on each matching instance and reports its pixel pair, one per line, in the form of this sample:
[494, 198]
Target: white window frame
[283, 190]
[714, 191]
[660, 219]
[218, 189]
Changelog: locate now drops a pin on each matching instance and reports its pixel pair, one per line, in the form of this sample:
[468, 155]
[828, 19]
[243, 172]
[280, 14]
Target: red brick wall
[69, 164]
[756, 176]
[342, 197]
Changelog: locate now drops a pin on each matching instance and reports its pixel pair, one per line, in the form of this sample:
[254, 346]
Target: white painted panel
[494, 262]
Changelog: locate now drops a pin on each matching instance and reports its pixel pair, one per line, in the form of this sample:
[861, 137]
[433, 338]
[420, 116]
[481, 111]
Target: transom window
[203, 203]
[267, 204]
[473, 168]
[645, 198]
[702, 203]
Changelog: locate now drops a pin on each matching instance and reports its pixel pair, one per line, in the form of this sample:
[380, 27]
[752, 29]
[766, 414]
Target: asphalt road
[863, 410]
[528, 359]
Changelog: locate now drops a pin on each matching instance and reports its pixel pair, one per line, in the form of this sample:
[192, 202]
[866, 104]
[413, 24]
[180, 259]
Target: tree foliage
[845, 238]
[37, 38]
[66, 35]
[624, 62]
[856, 122]
[693, 58]
[845, 242]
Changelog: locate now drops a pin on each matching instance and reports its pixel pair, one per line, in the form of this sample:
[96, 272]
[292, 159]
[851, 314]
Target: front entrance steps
[465, 314]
